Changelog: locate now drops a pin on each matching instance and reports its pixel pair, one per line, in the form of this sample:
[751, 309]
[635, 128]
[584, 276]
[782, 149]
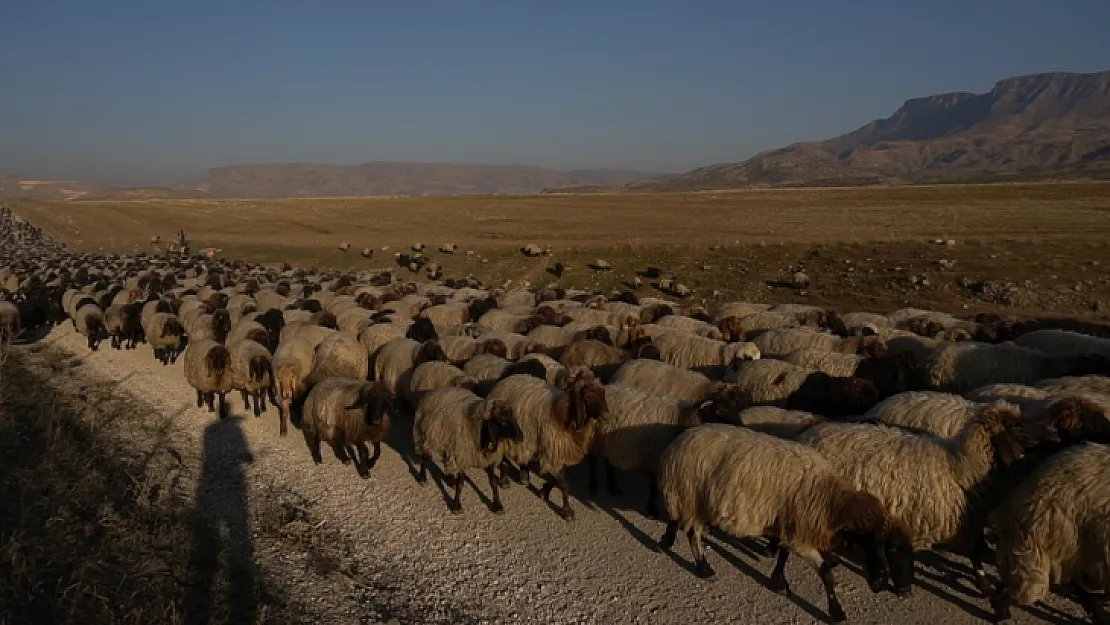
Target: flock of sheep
[878, 435]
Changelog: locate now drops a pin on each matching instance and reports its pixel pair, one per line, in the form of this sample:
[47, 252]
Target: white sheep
[961, 367]
[207, 369]
[776, 383]
[940, 487]
[433, 375]
[750, 484]
[1053, 530]
[704, 355]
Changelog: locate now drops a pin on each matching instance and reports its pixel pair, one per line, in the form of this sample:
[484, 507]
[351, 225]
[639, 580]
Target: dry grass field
[1045, 239]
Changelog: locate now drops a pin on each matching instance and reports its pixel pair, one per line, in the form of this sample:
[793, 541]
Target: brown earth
[1029, 248]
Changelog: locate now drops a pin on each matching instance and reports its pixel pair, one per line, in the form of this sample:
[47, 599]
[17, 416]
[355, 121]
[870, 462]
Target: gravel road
[393, 553]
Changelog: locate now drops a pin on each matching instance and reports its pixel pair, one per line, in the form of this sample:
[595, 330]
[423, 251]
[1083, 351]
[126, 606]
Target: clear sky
[157, 91]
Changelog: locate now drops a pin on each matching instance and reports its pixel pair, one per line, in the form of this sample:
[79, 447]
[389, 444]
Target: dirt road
[387, 550]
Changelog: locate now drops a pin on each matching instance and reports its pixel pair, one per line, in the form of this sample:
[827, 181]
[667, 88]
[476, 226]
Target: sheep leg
[561, 482]
[283, 416]
[591, 468]
[314, 448]
[246, 399]
[455, 505]
[260, 400]
[503, 480]
[836, 612]
[981, 549]
[778, 581]
[496, 506]
[422, 475]
[340, 452]
[210, 401]
[258, 407]
[363, 459]
[1001, 603]
[200, 398]
[374, 459]
[611, 479]
[701, 565]
[667, 541]
[223, 405]
[652, 509]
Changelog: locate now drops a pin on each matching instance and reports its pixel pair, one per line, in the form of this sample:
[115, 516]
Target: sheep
[782, 341]
[124, 325]
[339, 355]
[635, 430]
[1099, 384]
[396, 360]
[345, 412]
[706, 356]
[516, 345]
[456, 429]
[557, 426]
[1053, 530]
[691, 326]
[9, 322]
[89, 322]
[249, 330]
[215, 326]
[292, 363]
[943, 415]
[940, 487]
[531, 250]
[961, 367]
[553, 372]
[737, 309]
[374, 337]
[778, 422]
[750, 484]
[435, 374]
[207, 369]
[498, 320]
[604, 360]
[891, 373]
[460, 349]
[164, 332]
[778, 383]
[551, 339]
[663, 379]
[251, 373]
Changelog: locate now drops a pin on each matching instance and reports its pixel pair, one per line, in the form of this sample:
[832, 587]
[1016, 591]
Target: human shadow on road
[220, 530]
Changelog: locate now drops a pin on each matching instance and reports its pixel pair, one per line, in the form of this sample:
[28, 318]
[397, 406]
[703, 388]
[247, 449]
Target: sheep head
[859, 518]
[217, 359]
[1077, 419]
[872, 347]
[584, 400]
[732, 330]
[429, 350]
[372, 398]
[172, 327]
[648, 350]
[325, 320]
[1009, 434]
[600, 334]
[498, 424]
[259, 368]
[221, 325]
[421, 330]
[495, 347]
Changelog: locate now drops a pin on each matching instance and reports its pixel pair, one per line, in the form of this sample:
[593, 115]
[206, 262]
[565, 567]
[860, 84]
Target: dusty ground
[329, 547]
[1041, 248]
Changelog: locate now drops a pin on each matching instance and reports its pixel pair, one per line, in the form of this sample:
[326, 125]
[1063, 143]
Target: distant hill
[1028, 127]
[394, 178]
[289, 180]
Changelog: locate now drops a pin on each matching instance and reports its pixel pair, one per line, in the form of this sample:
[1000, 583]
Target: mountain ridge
[1055, 124]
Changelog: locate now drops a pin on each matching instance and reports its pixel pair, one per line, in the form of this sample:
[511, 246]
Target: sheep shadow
[651, 273]
[554, 272]
[440, 479]
[781, 284]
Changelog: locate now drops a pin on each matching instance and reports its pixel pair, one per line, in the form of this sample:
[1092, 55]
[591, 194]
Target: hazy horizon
[128, 93]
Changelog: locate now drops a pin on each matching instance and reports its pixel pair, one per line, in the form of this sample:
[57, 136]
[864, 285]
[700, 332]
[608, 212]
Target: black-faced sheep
[557, 426]
[345, 412]
[962, 367]
[777, 383]
[251, 373]
[208, 370]
[458, 430]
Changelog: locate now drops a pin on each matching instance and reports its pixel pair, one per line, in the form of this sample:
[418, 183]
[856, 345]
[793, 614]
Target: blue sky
[154, 92]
